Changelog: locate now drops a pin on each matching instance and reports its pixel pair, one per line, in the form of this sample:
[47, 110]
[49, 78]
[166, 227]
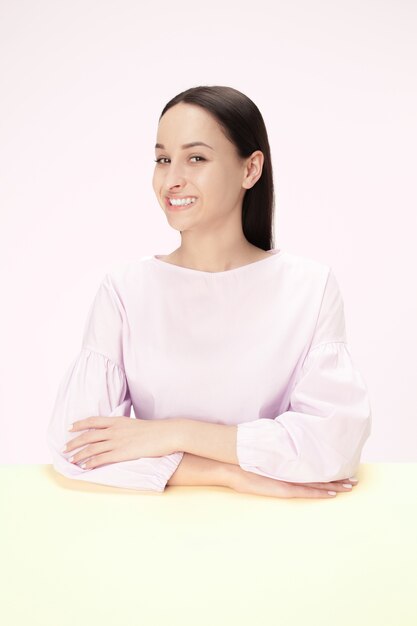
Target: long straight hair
[243, 124]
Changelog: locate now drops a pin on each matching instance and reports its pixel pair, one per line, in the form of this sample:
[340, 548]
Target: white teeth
[177, 202]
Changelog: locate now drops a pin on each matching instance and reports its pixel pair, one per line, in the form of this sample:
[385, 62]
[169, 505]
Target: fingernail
[332, 493]
[354, 480]
[347, 485]
[70, 427]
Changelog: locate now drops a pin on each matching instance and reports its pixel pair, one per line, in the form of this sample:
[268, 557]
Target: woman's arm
[198, 470]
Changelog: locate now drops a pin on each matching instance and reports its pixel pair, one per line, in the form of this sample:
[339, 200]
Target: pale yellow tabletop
[77, 553]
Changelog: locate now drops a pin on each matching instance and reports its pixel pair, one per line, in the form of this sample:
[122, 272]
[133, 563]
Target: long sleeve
[321, 435]
[96, 384]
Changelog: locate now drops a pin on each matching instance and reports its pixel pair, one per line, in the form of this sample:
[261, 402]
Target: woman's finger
[91, 436]
[90, 451]
[335, 485]
[297, 491]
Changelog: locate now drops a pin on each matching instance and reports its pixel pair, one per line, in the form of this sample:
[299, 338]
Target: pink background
[82, 87]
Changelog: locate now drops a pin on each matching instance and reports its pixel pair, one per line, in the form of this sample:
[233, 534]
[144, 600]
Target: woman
[232, 352]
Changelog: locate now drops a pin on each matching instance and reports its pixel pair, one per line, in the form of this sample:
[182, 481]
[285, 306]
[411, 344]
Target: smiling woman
[213, 178]
[232, 352]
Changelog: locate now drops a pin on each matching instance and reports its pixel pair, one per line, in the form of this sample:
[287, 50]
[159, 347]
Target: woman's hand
[249, 482]
[114, 439]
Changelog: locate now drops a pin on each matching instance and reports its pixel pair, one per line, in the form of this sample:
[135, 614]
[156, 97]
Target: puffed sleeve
[95, 383]
[321, 435]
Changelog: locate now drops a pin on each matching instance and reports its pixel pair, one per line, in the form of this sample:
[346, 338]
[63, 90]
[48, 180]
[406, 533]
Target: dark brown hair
[243, 124]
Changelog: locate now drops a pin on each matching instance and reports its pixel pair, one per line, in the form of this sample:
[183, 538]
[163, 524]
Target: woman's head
[230, 177]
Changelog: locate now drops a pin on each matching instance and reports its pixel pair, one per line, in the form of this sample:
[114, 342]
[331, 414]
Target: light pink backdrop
[82, 87]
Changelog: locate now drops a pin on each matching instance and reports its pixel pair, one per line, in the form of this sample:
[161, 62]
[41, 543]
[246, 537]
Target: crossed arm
[158, 437]
[209, 449]
[209, 453]
[209, 458]
[205, 439]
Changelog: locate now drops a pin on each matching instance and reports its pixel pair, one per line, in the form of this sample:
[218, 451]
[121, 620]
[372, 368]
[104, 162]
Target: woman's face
[212, 175]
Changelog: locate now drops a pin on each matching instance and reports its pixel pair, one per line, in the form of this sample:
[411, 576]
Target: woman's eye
[166, 158]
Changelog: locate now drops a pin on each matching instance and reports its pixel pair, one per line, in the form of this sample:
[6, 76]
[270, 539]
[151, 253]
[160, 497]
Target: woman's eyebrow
[187, 145]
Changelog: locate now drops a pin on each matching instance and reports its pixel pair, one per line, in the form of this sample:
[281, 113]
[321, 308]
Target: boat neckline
[274, 252]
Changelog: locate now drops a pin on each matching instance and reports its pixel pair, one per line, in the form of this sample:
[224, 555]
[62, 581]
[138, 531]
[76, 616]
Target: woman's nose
[174, 182]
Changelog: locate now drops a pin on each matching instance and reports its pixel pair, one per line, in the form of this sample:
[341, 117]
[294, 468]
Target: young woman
[232, 352]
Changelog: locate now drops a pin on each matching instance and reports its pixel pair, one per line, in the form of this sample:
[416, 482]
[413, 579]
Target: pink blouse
[262, 346]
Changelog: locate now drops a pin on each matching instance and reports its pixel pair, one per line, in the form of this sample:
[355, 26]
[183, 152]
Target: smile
[177, 203]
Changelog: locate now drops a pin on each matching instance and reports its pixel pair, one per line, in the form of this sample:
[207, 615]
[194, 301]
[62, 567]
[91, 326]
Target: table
[75, 553]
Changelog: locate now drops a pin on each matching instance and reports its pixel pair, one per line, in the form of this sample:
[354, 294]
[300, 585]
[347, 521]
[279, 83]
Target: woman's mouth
[180, 206]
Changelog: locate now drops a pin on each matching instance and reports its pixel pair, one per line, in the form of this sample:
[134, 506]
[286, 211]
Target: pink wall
[82, 90]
